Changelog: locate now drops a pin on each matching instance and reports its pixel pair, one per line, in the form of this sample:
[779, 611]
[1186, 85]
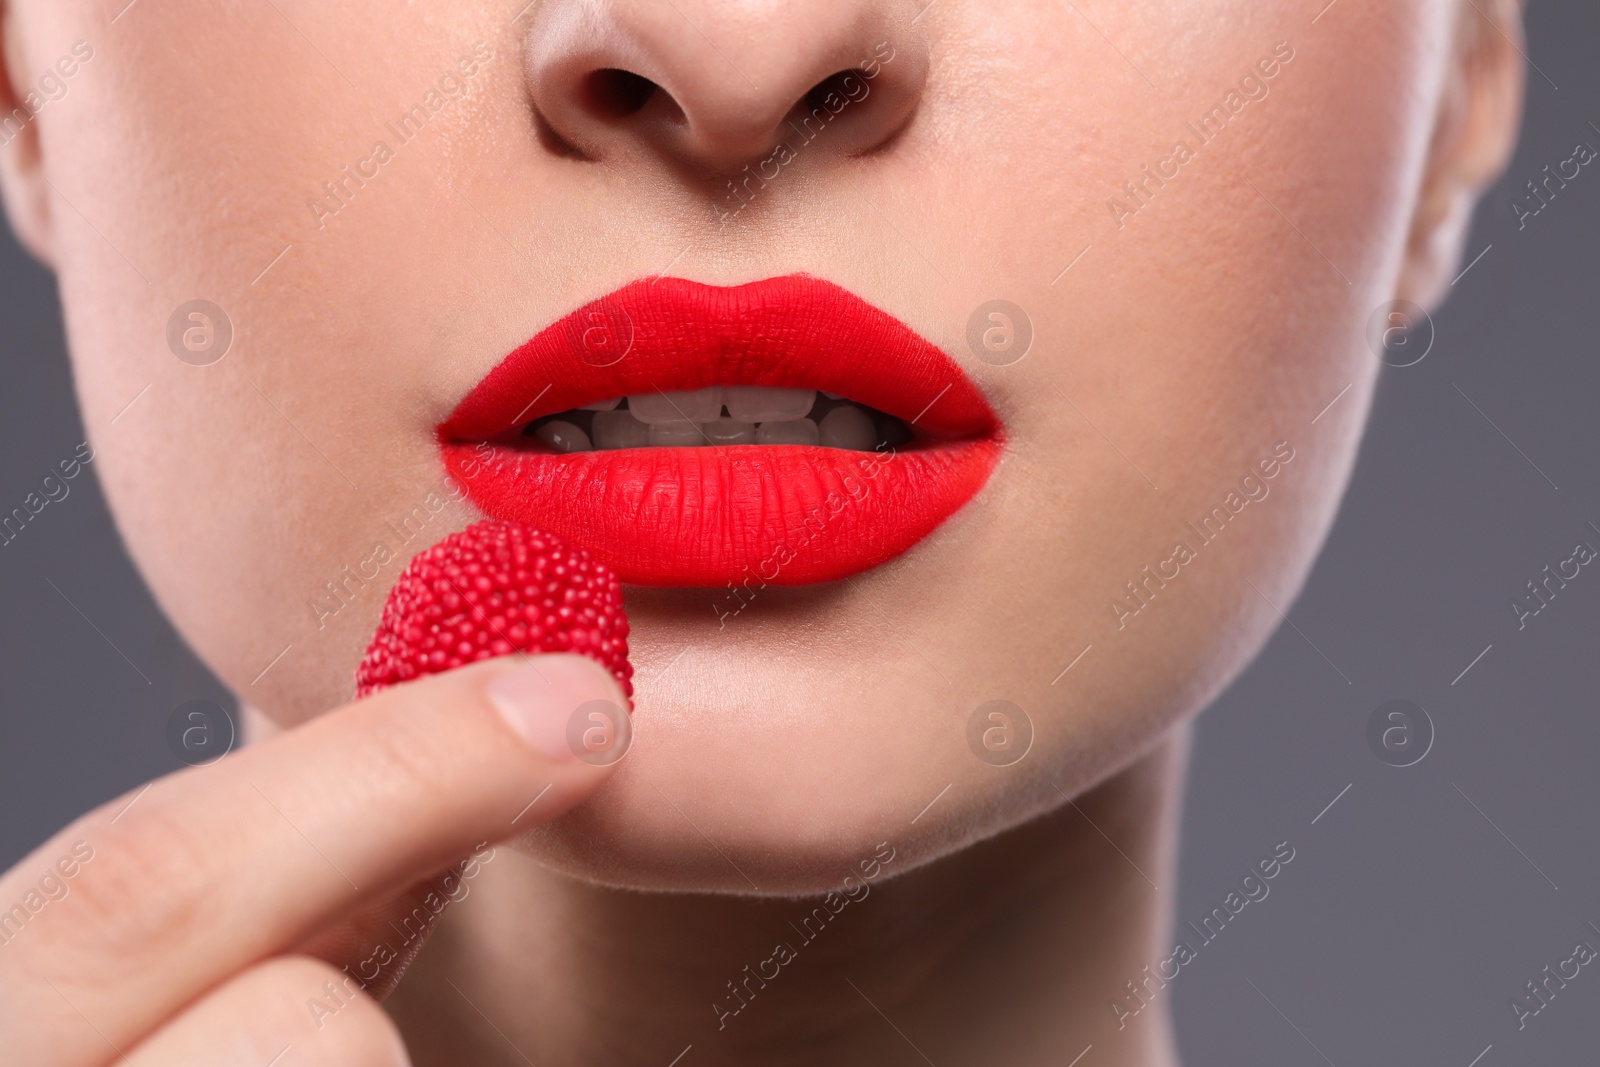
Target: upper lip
[669, 335]
[783, 514]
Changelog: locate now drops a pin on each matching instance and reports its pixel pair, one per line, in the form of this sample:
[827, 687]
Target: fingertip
[564, 707]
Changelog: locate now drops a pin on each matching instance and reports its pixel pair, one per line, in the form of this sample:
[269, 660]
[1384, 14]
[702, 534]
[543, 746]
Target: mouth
[784, 432]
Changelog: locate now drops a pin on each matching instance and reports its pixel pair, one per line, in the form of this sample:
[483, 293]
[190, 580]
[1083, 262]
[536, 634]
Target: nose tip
[720, 83]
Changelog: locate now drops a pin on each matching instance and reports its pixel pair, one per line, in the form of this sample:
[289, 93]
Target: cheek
[213, 174]
[1183, 327]
[1175, 351]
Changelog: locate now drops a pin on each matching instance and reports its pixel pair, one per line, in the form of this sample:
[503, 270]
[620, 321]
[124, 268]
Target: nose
[720, 83]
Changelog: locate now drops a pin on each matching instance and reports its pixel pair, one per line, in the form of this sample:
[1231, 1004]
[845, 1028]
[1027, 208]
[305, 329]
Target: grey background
[1408, 917]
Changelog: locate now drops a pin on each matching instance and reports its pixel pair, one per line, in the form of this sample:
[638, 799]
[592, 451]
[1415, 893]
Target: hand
[194, 923]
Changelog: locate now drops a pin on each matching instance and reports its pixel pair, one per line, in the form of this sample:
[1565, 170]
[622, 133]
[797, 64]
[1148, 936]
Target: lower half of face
[1153, 260]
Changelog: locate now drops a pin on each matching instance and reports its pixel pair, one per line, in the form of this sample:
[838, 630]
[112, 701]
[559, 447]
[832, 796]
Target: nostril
[609, 80]
[616, 94]
[837, 91]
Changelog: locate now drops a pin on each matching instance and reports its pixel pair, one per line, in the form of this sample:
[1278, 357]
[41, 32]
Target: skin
[1194, 337]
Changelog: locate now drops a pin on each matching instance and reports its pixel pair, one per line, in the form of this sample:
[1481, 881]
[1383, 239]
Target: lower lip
[776, 514]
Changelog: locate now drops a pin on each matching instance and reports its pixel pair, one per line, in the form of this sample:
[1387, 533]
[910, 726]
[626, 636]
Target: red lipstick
[785, 514]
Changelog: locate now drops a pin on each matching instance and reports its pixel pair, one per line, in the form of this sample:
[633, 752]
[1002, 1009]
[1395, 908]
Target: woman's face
[1193, 207]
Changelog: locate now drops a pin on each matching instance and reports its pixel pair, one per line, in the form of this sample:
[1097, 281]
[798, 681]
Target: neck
[1011, 951]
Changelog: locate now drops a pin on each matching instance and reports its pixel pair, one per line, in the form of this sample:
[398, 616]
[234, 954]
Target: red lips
[780, 514]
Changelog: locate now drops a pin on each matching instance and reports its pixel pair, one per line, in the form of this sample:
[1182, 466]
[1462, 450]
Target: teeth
[563, 437]
[849, 427]
[758, 403]
[661, 409]
[643, 424]
[677, 435]
[730, 432]
[619, 429]
[788, 432]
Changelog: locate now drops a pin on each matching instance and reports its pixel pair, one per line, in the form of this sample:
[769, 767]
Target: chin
[729, 788]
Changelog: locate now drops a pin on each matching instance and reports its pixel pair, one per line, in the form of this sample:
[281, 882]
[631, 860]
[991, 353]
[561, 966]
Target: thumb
[376, 944]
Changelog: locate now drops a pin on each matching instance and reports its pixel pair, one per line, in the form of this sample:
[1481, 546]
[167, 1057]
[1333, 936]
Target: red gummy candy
[493, 589]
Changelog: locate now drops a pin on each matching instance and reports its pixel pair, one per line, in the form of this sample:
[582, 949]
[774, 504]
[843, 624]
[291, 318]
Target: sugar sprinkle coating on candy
[490, 590]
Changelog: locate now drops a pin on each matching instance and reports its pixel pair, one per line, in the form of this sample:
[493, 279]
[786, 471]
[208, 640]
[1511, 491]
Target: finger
[288, 1012]
[217, 868]
[376, 944]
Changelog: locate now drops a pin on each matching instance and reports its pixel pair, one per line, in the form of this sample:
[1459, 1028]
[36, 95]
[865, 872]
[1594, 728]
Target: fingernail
[538, 698]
